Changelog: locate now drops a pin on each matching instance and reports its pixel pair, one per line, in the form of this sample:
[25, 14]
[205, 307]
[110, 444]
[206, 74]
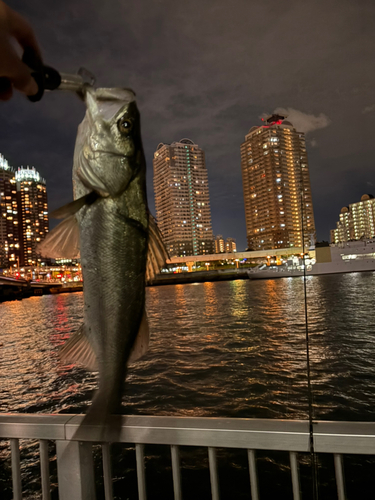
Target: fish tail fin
[101, 423]
[78, 350]
[103, 416]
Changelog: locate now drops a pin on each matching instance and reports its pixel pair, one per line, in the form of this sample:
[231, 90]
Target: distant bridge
[253, 255]
[19, 288]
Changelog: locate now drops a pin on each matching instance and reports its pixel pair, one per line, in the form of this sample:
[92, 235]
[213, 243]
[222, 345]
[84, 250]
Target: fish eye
[125, 125]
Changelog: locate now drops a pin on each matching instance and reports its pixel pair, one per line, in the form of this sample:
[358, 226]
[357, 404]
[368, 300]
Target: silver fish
[119, 244]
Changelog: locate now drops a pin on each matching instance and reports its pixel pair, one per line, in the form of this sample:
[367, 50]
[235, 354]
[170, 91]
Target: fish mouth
[99, 153]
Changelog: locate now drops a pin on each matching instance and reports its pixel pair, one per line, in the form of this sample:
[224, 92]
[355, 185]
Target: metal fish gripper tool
[48, 78]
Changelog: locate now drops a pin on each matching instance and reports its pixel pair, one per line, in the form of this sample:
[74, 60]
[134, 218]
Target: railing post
[16, 469]
[294, 468]
[75, 470]
[213, 474]
[141, 477]
[339, 469]
[176, 473]
[44, 469]
[107, 473]
[253, 475]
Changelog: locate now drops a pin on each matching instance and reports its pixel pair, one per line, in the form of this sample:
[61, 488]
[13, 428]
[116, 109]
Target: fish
[109, 226]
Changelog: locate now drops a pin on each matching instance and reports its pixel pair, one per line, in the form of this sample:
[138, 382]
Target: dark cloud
[369, 109]
[207, 70]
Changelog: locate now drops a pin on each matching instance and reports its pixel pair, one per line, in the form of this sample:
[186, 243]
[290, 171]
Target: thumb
[23, 81]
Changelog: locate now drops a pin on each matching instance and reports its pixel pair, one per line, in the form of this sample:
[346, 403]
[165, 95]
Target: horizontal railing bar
[256, 434]
[33, 426]
[206, 432]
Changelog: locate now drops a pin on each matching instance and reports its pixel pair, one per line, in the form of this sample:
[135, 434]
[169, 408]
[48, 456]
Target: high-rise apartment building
[33, 213]
[356, 221]
[9, 235]
[225, 246]
[182, 200]
[276, 186]
[230, 245]
[219, 244]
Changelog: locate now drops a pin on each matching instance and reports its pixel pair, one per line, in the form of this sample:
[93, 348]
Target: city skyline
[211, 77]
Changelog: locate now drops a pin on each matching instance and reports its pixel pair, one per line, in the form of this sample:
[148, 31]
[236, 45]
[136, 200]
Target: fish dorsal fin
[78, 348]
[157, 253]
[62, 242]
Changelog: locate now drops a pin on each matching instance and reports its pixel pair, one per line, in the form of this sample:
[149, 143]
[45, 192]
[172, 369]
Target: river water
[229, 349]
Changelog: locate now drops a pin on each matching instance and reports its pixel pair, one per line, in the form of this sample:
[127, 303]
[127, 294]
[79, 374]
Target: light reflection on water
[227, 349]
[234, 349]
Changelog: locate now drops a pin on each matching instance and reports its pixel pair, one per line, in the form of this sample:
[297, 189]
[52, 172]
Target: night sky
[207, 70]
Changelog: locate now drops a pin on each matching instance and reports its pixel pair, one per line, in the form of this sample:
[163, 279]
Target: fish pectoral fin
[72, 207]
[141, 342]
[78, 350]
[62, 242]
[157, 254]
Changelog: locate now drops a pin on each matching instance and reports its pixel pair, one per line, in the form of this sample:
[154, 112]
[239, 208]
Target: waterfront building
[276, 186]
[182, 200]
[225, 246]
[9, 236]
[357, 221]
[33, 213]
[230, 245]
[219, 244]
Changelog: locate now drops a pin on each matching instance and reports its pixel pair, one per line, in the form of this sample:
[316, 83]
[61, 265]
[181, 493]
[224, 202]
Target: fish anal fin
[141, 342]
[78, 350]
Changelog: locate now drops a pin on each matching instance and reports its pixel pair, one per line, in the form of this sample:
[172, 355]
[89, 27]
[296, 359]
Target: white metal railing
[75, 463]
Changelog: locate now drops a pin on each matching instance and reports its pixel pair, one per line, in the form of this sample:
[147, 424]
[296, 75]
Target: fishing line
[307, 340]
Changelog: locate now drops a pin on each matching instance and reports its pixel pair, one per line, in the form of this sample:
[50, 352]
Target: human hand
[13, 72]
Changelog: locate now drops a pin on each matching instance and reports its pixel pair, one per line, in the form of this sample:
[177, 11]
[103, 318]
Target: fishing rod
[307, 340]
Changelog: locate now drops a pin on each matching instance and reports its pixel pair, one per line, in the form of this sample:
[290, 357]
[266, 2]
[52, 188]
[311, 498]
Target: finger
[24, 82]
[6, 90]
[21, 30]
[16, 71]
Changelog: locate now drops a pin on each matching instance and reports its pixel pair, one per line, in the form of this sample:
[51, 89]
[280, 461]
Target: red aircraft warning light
[273, 120]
